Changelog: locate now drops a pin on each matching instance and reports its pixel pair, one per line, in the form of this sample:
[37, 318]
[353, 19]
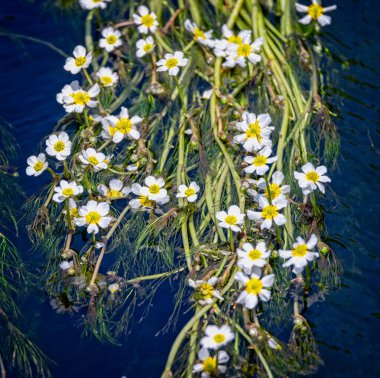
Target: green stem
[154, 276]
[181, 336]
[88, 37]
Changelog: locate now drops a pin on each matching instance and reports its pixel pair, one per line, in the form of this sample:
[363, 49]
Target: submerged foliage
[18, 354]
[171, 142]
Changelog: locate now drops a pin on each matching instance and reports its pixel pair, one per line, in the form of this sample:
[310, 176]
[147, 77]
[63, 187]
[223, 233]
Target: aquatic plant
[18, 354]
[194, 159]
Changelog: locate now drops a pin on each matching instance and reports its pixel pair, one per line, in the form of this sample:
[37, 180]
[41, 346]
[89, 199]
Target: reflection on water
[346, 323]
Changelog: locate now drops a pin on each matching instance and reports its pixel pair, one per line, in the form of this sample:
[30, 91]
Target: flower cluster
[108, 161]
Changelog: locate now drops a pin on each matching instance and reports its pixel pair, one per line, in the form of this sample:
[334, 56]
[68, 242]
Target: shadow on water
[346, 324]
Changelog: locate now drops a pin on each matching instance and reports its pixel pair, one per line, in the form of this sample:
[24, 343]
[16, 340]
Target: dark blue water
[346, 325]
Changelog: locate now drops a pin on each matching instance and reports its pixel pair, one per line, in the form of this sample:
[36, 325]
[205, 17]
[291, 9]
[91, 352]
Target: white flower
[58, 146]
[113, 288]
[269, 213]
[66, 265]
[200, 36]
[172, 62]
[93, 158]
[231, 219]
[146, 20]
[144, 46]
[73, 208]
[221, 45]
[107, 77]
[133, 167]
[111, 39]
[274, 344]
[243, 52]
[206, 290]
[66, 190]
[143, 201]
[36, 165]
[259, 163]
[188, 192]
[276, 191]
[300, 255]
[206, 95]
[233, 38]
[94, 215]
[81, 60]
[256, 131]
[115, 190]
[75, 99]
[311, 178]
[120, 127]
[92, 4]
[216, 337]
[251, 256]
[154, 188]
[254, 288]
[211, 366]
[108, 159]
[315, 12]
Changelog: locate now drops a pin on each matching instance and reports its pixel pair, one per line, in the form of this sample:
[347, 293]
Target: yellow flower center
[315, 11]
[38, 166]
[219, 338]
[67, 192]
[147, 20]
[244, 50]
[112, 130]
[300, 250]
[172, 62]
[59, 146]
[124, 125]
[93, 160]
[199, 34]
[113, 288]
[144, 201]
[259, 160]
[274, 191]
[80, 61]
[231, 220]
[254, 131]
[235, 39]
[254, 254]
[113, 193]
[106, 80]
[154, 189]
[74, 212]
[206, 290]
[189, 192]
[93, 217]
[148, 47]
[269, 212]
[210, 365]
[312, 176]
[254, 286]
[80, 98]
[111, 39]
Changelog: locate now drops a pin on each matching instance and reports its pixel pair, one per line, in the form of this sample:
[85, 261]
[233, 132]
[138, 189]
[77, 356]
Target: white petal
[324, 20]
[305, 20]
[301, 8]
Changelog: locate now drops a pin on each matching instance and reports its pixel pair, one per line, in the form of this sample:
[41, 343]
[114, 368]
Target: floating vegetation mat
[194, 149]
